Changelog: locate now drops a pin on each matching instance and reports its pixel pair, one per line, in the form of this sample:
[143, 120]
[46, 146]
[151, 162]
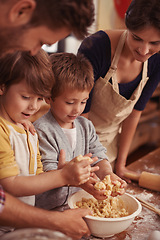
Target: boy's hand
[29, 126]
[89, 187]
[76, 172]
[115, 178]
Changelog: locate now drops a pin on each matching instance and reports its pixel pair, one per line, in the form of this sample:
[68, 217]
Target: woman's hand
[120, 171]
[128, 175]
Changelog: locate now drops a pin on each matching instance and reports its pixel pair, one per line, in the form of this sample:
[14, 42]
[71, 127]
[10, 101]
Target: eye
[84, 102]
[155, 43]
[136, 38]
[69, 103]
[40, 99]
[25, 97]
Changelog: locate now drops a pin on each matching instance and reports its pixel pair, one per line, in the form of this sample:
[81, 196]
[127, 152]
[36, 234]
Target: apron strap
[145, 70]
[118, 50]
[113, 67]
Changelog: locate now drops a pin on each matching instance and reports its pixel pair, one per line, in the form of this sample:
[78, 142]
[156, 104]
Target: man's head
[27, 24]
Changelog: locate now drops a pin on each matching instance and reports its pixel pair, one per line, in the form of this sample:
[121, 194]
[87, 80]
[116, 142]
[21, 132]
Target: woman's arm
[128, 130]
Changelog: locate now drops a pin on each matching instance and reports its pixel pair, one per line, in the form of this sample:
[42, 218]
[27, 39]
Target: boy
[63, 127]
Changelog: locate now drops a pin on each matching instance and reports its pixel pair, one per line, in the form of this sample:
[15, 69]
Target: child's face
[68, 106]
[18, 103]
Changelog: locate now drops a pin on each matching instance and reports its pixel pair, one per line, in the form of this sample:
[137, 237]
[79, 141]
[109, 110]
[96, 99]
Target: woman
[126, 67]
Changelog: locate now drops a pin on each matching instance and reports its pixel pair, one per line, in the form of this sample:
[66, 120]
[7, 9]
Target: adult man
[26, 25]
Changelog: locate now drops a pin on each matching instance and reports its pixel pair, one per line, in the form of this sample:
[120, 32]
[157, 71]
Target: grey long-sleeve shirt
[51, 140]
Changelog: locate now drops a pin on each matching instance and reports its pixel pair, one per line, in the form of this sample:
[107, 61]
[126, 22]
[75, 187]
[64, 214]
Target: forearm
[32, 185]
[20, 215]
[104, 169]
[128, 130]
[73, 173]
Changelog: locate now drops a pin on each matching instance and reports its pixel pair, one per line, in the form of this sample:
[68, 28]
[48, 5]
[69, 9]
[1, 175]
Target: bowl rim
[133, 215]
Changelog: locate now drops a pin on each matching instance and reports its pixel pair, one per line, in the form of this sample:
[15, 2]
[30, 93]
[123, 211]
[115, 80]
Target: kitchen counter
[147, 221]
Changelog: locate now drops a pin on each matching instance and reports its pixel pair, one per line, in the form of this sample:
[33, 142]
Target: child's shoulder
[4, 125]
[83, 120]
[43, 119]
[8, 129]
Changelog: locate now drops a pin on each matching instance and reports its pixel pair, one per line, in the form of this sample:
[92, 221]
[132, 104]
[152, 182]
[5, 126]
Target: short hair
[71, 72]
[142, 13]
[76, 15]
[36, 70]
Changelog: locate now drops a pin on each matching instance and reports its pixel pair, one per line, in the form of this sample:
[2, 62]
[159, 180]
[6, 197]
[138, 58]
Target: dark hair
[36, 70]
[76, 15]
[71, 72]
[142, 13]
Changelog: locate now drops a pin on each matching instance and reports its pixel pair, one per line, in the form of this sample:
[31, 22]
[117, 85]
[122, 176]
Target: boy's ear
[21, 12]
[48, 100]
[2, 89]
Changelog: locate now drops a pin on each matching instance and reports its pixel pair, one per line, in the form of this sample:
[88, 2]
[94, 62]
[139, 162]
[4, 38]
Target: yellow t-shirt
[19, 153]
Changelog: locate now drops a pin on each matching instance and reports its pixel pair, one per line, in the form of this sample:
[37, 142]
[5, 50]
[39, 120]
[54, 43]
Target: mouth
[73, 117]
[143, 57]
[26, 115]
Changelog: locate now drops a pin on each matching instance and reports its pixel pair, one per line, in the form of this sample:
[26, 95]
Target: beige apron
[109, 108]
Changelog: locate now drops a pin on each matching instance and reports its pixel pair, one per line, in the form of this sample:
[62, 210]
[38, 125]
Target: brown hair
[142, 13]
[36, 70]
[71, 72]
[75, 15]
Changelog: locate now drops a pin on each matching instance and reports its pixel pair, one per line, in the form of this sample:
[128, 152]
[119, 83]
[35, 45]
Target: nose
[35, 50]
[33, 105]
[144, 49]
[76, 108]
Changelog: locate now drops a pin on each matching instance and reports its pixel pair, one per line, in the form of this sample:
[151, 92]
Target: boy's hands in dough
[76, 172]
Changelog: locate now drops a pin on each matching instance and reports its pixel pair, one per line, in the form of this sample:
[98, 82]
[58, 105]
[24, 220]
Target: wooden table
[147, 221]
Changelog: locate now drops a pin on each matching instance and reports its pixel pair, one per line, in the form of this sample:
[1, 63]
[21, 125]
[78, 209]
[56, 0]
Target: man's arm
[20, 215]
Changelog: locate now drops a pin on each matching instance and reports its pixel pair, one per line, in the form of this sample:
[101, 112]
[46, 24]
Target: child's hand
[78, 172]
[115, 178]
[29, 126]
[111, 185]
[89, 187]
